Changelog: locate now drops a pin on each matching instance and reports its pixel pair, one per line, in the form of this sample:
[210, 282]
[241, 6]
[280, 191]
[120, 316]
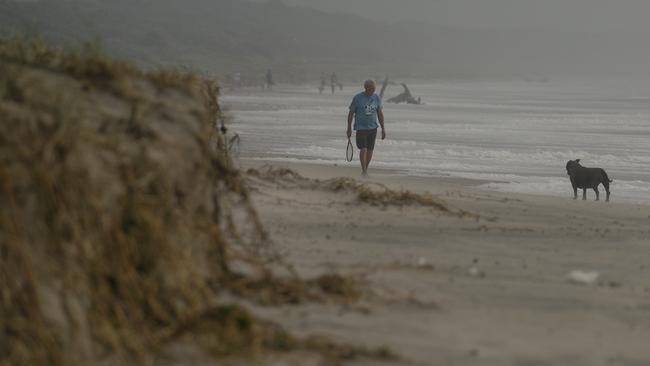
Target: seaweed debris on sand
[374, 194]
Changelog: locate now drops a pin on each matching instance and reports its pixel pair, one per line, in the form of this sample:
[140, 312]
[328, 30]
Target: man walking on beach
[366, 108]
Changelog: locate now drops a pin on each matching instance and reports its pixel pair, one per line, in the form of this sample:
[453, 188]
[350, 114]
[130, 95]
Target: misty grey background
[299, 39]
[567, 15]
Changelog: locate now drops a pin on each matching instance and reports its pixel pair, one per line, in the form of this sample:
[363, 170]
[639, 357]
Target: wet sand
[489, 287]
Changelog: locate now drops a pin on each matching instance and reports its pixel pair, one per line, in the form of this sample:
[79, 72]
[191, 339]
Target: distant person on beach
[333, 82]
[366, 109]
[323, 82]
[269, 79]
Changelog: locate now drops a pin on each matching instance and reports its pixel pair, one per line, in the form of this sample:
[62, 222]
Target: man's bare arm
[350, 116]
[380, 117]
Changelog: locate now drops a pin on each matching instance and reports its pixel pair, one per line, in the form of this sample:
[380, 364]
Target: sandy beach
[177, 186]
[482, 278]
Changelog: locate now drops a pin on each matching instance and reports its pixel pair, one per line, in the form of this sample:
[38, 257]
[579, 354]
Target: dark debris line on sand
[382, 196]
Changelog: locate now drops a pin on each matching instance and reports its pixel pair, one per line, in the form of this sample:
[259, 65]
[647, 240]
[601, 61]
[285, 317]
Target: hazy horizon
[301, 38]
[557, 15]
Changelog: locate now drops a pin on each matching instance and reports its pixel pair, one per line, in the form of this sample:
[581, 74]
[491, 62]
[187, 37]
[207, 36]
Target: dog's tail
[605, 176]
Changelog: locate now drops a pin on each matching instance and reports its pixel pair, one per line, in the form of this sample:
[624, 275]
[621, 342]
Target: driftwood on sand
[405, 96]
[383, 88]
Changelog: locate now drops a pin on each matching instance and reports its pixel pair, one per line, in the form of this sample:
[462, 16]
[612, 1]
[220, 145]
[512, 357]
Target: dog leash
[349, 151]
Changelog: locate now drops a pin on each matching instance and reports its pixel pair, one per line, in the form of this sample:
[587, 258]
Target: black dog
[584, 178]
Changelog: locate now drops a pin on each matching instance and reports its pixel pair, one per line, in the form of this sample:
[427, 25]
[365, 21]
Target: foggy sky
[565, 15]
[454, 38]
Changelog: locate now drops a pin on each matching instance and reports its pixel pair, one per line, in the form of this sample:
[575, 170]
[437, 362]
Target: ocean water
[514, 136]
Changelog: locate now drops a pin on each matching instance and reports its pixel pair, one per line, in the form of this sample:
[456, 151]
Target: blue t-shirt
[365, 111]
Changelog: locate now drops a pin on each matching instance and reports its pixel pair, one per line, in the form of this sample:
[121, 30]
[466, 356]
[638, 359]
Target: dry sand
[488, 288]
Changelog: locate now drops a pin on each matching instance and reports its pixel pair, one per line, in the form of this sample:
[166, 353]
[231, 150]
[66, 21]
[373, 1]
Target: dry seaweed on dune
[383, 196]
[272, 290]
[95, 69]
[122, 221]
[336, 353]
[279, 175]
[228, 330]
[364, 192]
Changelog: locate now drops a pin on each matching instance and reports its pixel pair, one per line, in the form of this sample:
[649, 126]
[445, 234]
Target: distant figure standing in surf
[334, 82]
[366, 109]
[269, 79]
[323, 82]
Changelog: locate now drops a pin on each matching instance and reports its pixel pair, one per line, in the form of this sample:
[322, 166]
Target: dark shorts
[366, 139]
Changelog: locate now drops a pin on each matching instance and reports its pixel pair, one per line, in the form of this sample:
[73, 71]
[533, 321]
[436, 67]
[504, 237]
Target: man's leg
[369, 148]
[368, 158]
[363, 153]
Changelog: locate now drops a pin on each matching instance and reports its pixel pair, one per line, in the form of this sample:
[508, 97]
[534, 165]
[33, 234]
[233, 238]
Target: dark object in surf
[405, 96]
[584, 178]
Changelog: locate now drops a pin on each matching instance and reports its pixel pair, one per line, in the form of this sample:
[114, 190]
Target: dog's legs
[597, 193]
[606, 185]
[575, 192]
[584, 194]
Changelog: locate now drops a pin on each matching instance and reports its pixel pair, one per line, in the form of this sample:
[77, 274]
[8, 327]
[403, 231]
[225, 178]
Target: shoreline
[353, 170]
[478, 132]
[402, 180]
